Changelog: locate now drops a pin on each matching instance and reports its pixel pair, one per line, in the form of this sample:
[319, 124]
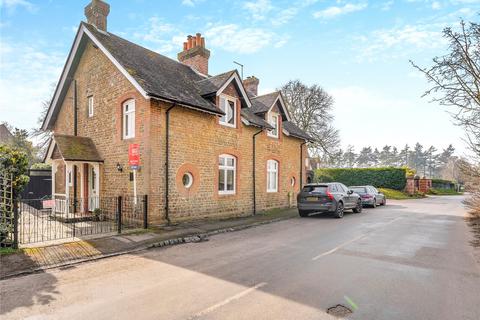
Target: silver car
[370, 195]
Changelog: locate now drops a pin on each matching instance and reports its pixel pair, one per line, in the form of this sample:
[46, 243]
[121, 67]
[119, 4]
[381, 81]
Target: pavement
[413, 259]
[38, 257]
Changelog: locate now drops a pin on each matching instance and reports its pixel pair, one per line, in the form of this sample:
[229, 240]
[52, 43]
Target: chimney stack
[96, 13]
[251, 85]
[195, 54]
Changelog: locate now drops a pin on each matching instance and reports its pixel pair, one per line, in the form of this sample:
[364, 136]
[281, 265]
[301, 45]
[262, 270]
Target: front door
[92, 188]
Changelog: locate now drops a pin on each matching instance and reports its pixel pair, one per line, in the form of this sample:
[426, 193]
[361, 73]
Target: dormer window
[228, 105]
[273, 120]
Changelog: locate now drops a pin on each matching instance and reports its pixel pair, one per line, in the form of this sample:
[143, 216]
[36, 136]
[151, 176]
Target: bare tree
[455, 79]
[311, 110]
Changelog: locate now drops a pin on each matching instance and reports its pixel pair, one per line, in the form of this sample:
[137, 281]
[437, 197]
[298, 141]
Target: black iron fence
[41, 220]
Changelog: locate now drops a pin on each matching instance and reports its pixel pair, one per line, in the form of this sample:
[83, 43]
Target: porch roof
[75, 148]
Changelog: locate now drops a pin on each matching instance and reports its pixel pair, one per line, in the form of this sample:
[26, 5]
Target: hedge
[443, 184]
[392, 178]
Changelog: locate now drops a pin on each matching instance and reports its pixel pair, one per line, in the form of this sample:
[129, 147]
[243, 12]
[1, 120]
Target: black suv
[331, 197]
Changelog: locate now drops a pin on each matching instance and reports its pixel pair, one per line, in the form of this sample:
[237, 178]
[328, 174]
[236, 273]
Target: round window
[187, 180]
[292, 181]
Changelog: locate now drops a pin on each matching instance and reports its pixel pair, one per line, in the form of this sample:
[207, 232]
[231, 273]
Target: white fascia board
[240, 85]
[66, 71]
[285, 110]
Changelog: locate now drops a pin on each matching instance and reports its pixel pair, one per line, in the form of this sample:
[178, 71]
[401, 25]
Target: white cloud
[161, 36]
[11, 5]
[335, 11]
[436, 5]
[258, 9]
[28, 71]
[386, 6]
[191, 3]
[399, 41]
[233, 38]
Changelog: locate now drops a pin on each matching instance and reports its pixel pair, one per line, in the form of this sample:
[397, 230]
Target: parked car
[370, 195]
[331, 197]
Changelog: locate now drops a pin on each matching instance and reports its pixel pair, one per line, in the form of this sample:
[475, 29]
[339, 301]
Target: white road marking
[338, 247]
[352, 240]
[228, 300]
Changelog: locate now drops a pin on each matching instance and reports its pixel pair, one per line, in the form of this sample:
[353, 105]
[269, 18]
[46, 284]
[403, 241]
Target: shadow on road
[42, 291]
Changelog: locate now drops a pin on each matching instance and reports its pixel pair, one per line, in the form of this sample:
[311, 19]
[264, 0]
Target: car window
[315, 189]
[333, 188]
[342, 187]
[360, 189]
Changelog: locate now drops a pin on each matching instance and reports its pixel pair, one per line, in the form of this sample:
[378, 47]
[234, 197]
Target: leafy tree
[311, 110]
[455, 79]
[365, 157]
[14, 162]
[20, 142]
[350, 156]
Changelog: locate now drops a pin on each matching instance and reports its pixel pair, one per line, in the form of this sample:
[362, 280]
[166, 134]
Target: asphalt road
[409, 260]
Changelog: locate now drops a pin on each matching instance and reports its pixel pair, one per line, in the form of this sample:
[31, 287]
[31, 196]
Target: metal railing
[41, 220]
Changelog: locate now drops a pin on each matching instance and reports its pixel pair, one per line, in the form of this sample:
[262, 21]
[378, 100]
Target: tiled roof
[212, 84]
[158, 75]
[5, 134]
[295, 131]
[254, 119]
[261, 104]
[74, 148]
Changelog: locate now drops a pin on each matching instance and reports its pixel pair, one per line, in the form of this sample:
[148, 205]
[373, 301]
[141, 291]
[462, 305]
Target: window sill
[234, 126]
[272, 191]
[222, 194]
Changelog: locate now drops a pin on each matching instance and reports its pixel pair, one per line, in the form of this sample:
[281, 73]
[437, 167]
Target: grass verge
[5, 251]
[444, 192]
[398, 195]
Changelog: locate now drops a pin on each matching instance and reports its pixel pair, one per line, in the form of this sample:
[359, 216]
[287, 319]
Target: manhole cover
[339, 311]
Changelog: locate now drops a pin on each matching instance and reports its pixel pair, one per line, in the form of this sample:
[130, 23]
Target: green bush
[14, 162]
[392, 178]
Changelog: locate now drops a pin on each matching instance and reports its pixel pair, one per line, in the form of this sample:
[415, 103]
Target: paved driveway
[409, 260]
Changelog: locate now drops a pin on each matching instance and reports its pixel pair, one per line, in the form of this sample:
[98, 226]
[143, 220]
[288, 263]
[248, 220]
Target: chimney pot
[195, 54]
[198, 40]
[189, 40]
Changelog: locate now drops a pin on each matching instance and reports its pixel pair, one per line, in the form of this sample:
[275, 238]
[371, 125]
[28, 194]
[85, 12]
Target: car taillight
[329, 195]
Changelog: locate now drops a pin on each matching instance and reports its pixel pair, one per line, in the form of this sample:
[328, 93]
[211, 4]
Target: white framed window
[227, 168]
[128, 110]
[273, 119]
[187, 180]
[90, 106]
[228, 105]
[272, 176]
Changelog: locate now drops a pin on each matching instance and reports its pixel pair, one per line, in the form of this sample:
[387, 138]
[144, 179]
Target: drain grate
[339, 311]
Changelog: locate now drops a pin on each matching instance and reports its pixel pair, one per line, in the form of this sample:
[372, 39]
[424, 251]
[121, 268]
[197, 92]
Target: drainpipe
[75, 133]
[167, 145]
[301, 164]
[253, 167]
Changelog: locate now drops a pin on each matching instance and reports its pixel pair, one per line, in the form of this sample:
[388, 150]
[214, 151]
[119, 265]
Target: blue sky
[357, 50]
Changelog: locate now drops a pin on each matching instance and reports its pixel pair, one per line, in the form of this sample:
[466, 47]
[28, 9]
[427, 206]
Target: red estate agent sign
[134, 156]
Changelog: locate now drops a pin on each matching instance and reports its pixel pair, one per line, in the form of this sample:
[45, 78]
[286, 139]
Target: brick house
[209, 145]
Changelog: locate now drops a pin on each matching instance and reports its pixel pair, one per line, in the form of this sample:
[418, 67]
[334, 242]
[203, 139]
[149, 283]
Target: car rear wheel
[339, 211]
[358, 208]
[303, 213]
[384, 202]
[374, 205]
